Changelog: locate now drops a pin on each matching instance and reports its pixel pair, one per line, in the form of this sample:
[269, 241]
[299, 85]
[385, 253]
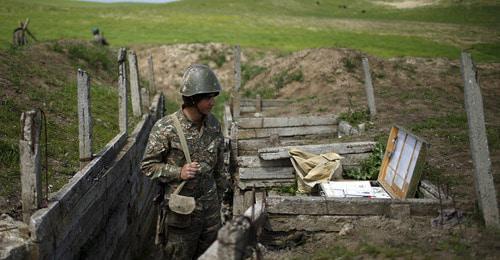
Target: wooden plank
[266, 122]
[266, 173]
[274, 153]
[248, 184]
[287, 131]
[256, 162]
[295, 205]
[311, 223]
[252, 145]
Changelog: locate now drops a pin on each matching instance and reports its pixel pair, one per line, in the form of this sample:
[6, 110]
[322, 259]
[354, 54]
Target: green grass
[287, 25]
[48, 87]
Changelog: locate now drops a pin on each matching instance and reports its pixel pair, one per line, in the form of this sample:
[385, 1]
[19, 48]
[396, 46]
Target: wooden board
[268, 122]
[286, 131]
[275, 153]
[295, 205]
[256, 162]
[311, 223]
[248, 184]
[266, 173]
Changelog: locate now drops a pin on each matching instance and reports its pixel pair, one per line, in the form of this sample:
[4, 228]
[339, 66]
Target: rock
[346, 229]
[14, 238]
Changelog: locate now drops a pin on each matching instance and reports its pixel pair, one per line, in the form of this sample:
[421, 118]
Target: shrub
[370, 167]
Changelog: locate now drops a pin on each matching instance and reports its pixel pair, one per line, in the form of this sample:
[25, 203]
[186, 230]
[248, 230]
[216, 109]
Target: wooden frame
[402, 165]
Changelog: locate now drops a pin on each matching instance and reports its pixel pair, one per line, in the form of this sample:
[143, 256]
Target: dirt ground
[424, 95]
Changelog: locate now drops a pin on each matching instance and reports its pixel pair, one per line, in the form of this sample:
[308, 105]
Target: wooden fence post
[122, 91]
[134, 84]
[145, 100]
[258, 103]
[369, 88]
[237, 83]
[483, 178]
[29, 151]
[152, 85]
[84, 118]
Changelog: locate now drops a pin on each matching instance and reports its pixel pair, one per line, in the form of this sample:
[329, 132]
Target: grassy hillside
[44, 76]
[428, 31]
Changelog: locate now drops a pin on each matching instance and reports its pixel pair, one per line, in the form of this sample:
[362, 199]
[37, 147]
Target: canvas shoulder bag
[181, 204]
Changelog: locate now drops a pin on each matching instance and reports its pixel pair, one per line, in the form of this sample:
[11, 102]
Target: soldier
[188, 236]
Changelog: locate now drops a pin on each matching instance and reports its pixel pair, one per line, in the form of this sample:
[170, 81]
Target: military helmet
[199, 79]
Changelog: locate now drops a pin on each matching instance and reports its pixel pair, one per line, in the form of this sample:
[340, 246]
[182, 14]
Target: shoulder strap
[185, 149]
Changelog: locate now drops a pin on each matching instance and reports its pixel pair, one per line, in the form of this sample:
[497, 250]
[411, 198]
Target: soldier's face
[206, 104]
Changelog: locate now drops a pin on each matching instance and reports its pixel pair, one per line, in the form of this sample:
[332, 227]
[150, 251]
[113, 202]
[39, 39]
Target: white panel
[399, 181]
[404, 162]
[413, 161]
[399, 146]
[389, 176]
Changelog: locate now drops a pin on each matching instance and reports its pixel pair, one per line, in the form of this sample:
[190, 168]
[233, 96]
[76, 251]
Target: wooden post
[122, 91]
[84, 118]
[145, 100]
[237, 83]
[258, 104]
[152, 85]
[369, 88]
[483, 178]
[134, 84]
[29, 151]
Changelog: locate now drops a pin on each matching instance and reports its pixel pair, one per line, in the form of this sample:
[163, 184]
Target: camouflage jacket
[164, 158]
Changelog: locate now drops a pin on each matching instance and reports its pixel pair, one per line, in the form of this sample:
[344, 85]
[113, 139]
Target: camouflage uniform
[188, 236]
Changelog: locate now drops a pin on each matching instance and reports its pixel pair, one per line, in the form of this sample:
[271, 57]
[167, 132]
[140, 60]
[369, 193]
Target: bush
[249, 72]
[355, 117]
[284, 78]
[370, 167]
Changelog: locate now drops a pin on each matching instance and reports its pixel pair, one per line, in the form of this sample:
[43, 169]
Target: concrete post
[134, 84]
[258, 104]
[122, 91]
[152, 85]
[145, 100]
[30, 167]
[237, 83]
[369, 88]
[483, 178]
[84, 118]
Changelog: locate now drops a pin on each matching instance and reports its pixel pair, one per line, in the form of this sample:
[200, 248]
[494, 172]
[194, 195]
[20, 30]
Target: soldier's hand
[189, 170]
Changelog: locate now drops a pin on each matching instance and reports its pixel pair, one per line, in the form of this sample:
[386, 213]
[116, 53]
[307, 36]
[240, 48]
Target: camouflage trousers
[190, 236]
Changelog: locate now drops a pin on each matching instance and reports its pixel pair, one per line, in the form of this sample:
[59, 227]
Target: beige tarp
[312, 168]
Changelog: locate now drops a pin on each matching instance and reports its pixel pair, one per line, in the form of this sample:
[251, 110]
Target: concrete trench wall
[106, 211]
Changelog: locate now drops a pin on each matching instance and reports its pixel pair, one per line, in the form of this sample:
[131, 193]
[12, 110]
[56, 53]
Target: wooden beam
[256, 162]
[296, 205]
[483, 177]
[30, 163]
[287, 131]
[122, 91]
[84, 117]
[267, 122]
[275, 153]
[266, 173]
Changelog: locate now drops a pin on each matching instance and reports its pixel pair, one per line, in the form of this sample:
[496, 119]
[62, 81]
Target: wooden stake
[30, 167]
[485, 188]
